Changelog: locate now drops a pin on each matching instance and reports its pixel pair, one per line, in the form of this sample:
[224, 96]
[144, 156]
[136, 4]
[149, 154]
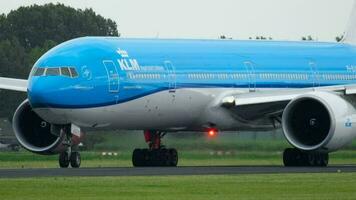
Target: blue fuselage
[111, 71]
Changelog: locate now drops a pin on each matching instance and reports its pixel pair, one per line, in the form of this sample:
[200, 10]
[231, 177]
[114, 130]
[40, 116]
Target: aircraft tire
[137, 158]
[75, 159]
[63, 160]
[155, 158]
[173, 157]
[290, 157]
[297, 158]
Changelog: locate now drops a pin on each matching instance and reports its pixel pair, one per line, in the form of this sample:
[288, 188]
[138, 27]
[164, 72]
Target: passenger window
[39, 72]
[52, 72]
[65, 71]
[73, 72]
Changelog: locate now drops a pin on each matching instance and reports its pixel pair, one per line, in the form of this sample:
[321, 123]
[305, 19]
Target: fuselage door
[171, 75]
[113, 76]
[315, 76]
[250, 69]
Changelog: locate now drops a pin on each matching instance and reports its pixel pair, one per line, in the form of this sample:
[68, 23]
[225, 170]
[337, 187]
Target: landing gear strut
[156, 154]
[71, 155]
[298, 158]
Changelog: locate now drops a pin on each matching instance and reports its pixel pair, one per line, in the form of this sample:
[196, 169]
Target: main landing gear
[72, 158]
[70, 155]
[156, 155]
[298, 158]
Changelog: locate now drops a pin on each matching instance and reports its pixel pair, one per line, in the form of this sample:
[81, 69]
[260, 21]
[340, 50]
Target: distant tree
[224, 37]
[339, 38]
[28, 32]
[308, 38]
[90, 140]
[34, 53]
[35, 24]
[12, 57]
[2, 25]
[261, 38]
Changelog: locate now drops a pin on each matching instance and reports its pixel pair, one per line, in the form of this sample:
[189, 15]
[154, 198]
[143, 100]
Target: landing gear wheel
[137, 158]
[312, 159]
[165, 157]
[155, 158]
[173, 157]
[291, 157]
[318, 159]
[324, 160]
[295, 158]
[75, 159]
[147, 158]
[156, 155]
[64, 160]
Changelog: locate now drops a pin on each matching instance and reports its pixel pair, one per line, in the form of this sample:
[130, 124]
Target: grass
[286, 186]
[193, 151]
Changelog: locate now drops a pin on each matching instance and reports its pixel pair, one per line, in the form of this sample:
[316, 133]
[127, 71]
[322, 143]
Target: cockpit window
[39, 72]
[52, 72]
[56, 71]
[73, 72]
[65, 71]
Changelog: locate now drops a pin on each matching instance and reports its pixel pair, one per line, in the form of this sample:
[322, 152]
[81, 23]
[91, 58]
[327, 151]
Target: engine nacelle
[37, 135]
[319, 121]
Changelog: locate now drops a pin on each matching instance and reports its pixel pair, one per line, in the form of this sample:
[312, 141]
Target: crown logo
[122, 53]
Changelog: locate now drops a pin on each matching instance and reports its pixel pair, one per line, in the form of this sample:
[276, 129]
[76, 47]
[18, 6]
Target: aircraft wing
[13, 84]
[270, 104]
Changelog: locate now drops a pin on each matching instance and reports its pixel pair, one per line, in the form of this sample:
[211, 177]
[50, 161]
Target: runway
[167, 171]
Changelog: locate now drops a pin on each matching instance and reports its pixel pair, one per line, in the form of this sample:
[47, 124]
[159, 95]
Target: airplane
[161, 86]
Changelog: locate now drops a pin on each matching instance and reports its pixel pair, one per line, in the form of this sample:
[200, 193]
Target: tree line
[304, 38]
[28, 32]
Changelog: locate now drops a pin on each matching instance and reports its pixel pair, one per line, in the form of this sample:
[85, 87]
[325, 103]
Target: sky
[208, 19]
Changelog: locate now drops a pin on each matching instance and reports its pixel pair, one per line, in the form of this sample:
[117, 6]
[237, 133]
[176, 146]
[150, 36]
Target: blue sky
[240, 19]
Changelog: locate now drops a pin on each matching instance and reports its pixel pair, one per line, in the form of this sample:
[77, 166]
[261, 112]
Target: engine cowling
[37, 135]
[319, 121]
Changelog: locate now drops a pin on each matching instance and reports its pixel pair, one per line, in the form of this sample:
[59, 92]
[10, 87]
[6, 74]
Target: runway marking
[170, 171]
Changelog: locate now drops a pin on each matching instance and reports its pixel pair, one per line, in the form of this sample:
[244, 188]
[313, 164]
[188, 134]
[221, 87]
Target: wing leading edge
[13, 84]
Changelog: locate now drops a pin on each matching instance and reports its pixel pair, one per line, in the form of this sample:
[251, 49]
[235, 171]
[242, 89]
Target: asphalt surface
[167, 171]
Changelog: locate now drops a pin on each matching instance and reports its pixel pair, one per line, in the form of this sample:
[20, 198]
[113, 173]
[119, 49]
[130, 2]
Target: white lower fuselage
[182, 110]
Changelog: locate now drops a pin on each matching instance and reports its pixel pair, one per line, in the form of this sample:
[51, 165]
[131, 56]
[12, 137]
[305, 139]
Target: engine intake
[34, 133]
[318, 121]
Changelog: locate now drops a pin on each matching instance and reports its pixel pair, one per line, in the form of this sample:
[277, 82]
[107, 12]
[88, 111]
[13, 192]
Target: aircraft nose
[41, 93]
[36, 93]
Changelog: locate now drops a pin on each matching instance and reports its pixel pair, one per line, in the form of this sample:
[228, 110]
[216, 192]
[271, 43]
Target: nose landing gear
[70, 156]
[156, 155]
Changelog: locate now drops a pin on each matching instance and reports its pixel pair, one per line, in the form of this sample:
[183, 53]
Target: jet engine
[319, 121]
[37, 135]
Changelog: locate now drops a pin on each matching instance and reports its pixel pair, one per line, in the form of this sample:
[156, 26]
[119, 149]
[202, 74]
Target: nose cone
[43, 92]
